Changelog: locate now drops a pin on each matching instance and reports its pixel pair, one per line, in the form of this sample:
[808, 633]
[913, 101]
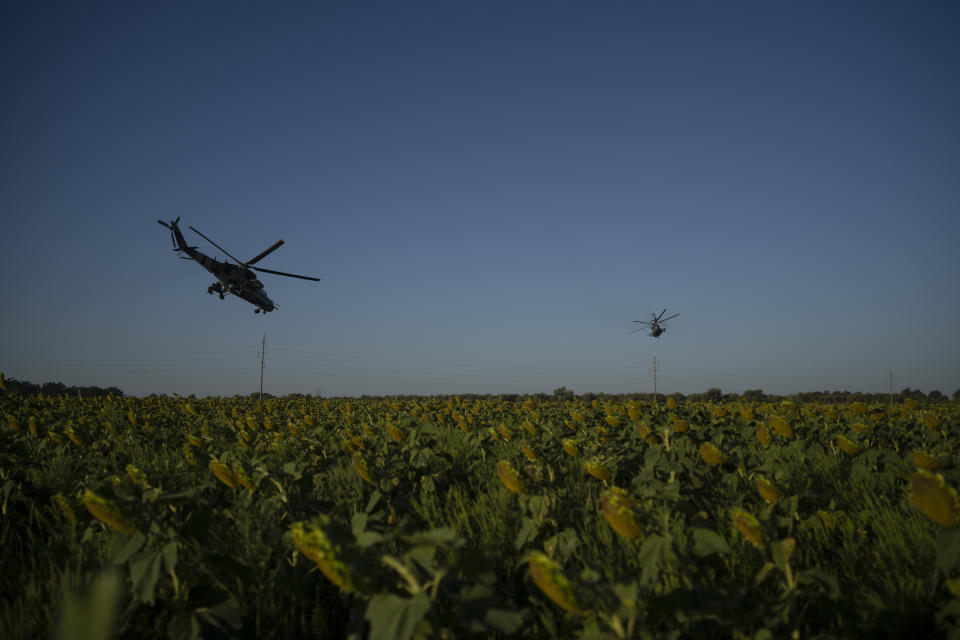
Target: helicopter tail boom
[179, 244]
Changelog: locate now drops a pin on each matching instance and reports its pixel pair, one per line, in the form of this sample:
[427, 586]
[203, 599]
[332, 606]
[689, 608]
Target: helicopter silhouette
[235, 279]
[656, 329]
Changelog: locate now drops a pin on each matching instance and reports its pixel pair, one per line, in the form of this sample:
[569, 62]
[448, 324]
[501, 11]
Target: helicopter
[656, 329]
[236, 279]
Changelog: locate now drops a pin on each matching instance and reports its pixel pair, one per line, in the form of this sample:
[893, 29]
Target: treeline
[12, 385]
[714, 395]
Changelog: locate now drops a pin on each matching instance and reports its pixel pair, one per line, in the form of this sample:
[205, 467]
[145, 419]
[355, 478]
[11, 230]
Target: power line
[263, 351]
[654, 371]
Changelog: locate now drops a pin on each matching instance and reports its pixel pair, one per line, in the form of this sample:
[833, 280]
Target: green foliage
[392, 517]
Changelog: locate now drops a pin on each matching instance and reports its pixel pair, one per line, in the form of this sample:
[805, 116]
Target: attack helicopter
[656, 329]
[236, 279]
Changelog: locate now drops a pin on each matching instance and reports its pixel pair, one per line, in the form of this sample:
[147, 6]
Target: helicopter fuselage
[656, 329]
[236, 280]
[231, 278]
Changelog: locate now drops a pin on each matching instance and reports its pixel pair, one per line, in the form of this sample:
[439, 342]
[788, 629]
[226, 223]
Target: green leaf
[503, 620]
[122, 546]
[368, 539]
[188, 496]
[764, 572]
[169, 552]
[431, 538]
[528, 531]
[225, 613]
[358, 523]
[948, 550]
[184, 626]
[144, 573]
[815, 576]
[480, 612]
[394, 618]
[372, 502]
[707, 542]
[93, 616]
[655, 552]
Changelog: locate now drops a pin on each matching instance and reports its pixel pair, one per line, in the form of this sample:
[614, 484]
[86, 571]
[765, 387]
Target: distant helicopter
[236, 279]
[656, 329]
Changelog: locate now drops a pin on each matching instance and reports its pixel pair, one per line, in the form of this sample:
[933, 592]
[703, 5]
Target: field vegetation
[553, 516]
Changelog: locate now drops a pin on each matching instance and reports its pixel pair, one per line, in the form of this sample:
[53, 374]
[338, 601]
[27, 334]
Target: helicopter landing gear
[216, 287]
[257, 310]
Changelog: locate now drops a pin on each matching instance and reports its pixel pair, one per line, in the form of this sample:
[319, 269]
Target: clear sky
[491, 192]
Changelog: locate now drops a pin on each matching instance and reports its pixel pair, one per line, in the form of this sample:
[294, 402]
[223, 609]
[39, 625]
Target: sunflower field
[399, 518]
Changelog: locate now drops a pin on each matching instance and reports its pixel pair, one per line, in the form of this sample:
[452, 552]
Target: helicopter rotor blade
[266, 252]
[643, 322]
[673, 316]
[282, 273]
[214, 244]
[661, 314]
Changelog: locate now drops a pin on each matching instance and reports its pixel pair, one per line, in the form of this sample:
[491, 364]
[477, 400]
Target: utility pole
[890, 376]
[263, 350]
[654, 371]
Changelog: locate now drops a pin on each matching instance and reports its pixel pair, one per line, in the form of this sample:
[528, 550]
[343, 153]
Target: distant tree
[907, 392]
[713, 394]
[52, 388]
[956, 395]
[754, 395]
[563, 394]
[936, 396]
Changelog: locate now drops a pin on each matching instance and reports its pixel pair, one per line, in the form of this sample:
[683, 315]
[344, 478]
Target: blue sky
[490, 191]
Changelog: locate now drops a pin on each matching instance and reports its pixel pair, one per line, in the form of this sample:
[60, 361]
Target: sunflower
[618, 509]
[847, 445]
[549, 578]
[137, 476]
[924, 460]
[312, 541]
[395, 432]
[766, 488]
[935, 498]
[749, 526]
[361, 466]
[711, 454]
[598, 471]
[780, 426]
[107, 512]
[510, 478]
[223, 473]
[763, 434]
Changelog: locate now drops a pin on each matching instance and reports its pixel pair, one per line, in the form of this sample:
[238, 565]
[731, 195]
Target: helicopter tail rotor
[172, 226]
